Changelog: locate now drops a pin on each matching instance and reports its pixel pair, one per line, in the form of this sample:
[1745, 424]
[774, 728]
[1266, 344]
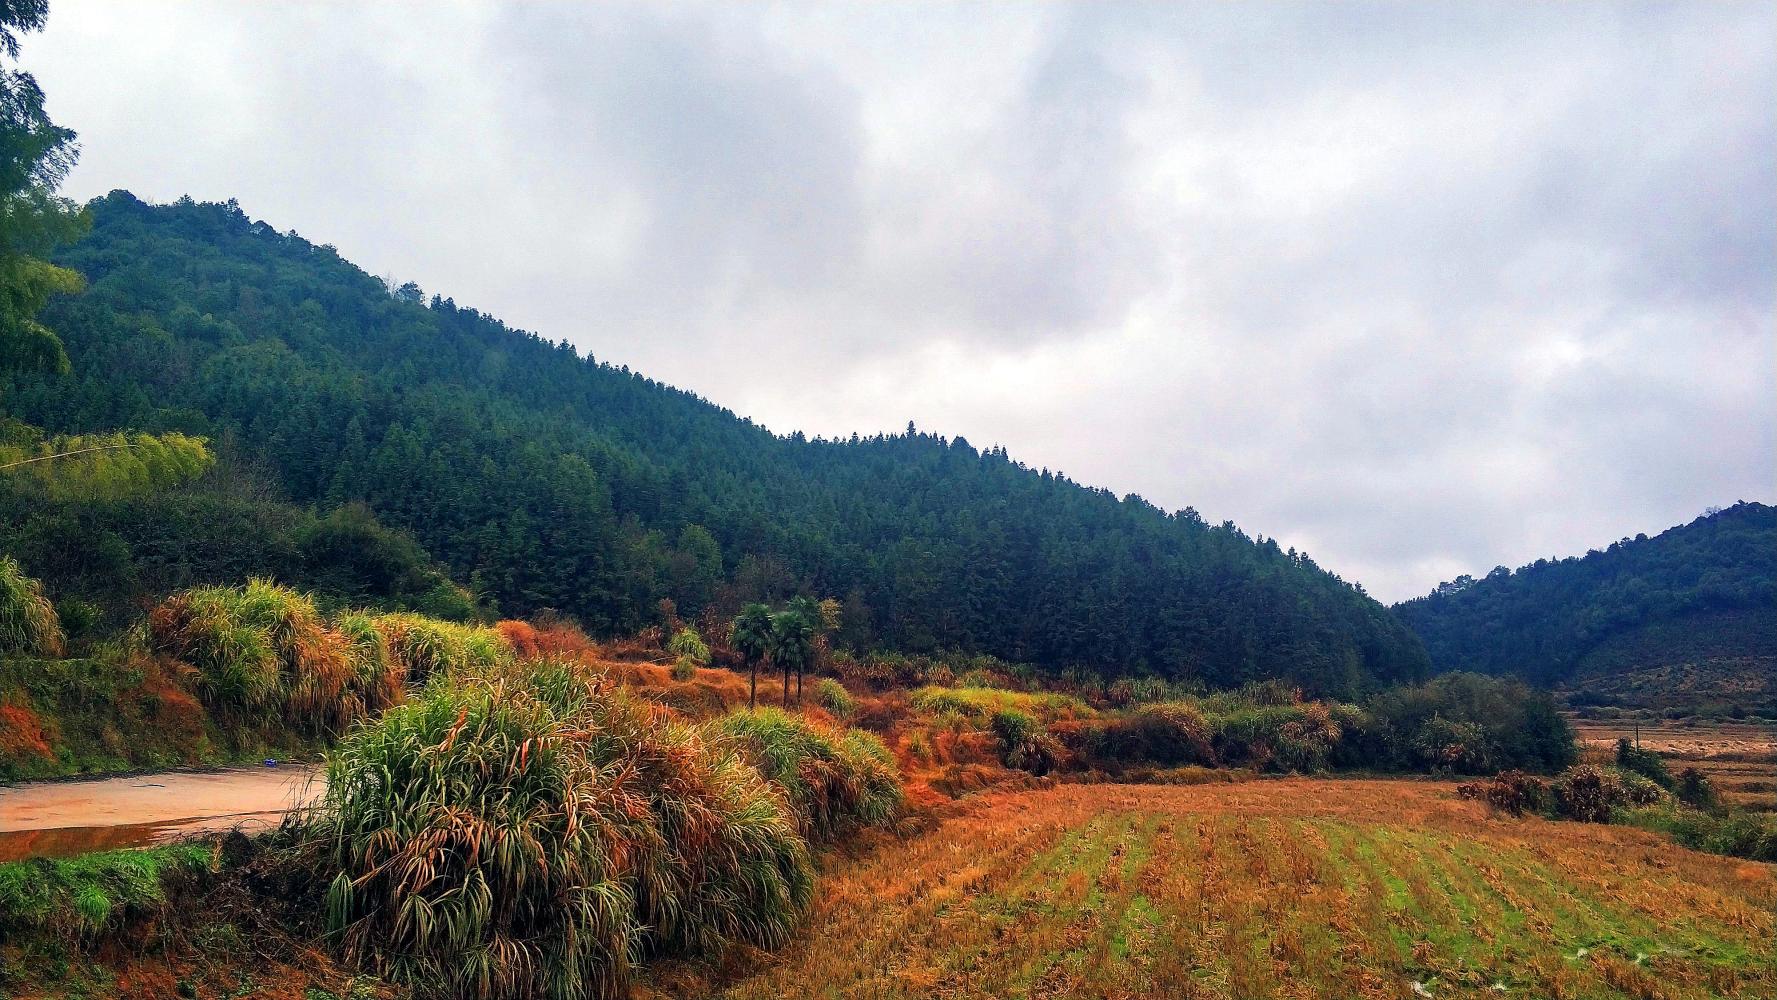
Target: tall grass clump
[424, 646]
[836, 780]
[28, 622]
[980, 703]
[1024, 744]
[527, 830]
[478, 850]
[376, 677]
[262, 651]
[832, 696]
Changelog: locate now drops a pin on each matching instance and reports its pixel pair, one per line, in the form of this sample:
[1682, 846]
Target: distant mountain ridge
[550, 481]
[1693, 609]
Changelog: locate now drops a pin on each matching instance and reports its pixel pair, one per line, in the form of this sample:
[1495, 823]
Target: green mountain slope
[548, 480]
[1699, 601]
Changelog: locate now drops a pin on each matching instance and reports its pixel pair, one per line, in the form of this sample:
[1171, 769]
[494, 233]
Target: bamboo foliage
[106, 466]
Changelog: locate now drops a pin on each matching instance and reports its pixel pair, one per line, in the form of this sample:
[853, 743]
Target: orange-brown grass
[1290, 888]
[1738, 758]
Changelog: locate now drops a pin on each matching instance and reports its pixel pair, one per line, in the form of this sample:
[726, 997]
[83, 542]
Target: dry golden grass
[1290, 888]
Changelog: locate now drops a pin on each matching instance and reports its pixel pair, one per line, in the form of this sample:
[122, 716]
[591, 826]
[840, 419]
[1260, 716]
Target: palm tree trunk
[753, 689]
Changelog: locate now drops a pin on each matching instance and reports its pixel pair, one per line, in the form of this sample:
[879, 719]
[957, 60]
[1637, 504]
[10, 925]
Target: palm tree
[752, 639]
[811, 612]
[792, 645]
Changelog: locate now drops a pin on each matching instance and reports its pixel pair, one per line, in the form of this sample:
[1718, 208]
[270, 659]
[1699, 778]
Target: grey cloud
[1418, 288]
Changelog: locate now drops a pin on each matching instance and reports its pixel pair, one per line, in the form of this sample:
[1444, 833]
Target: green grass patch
[92, 894]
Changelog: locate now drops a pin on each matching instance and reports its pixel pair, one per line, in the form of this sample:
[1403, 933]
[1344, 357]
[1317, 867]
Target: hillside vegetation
[548, 480]
[1701, 596]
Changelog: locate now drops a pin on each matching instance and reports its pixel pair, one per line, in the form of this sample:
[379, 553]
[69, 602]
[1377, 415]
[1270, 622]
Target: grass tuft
[28, 622]
[836, 780]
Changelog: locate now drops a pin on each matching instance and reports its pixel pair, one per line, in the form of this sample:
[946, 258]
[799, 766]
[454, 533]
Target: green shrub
[1736, 834]
[1646, 763]
[1167, 734]
[478, 849]
[832, 696]
[686, 644]
[1024, 744]
[979, 703]
[835, 780]
[729, 864]
[1696, 790]
[684, 669]
[376, 677]
[1465, 723]
[1639, 790]
[29, 625]
[1013, 727]
[1284, 737]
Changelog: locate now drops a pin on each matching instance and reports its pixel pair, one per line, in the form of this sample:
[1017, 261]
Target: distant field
[1739, 758]
[1288, 888]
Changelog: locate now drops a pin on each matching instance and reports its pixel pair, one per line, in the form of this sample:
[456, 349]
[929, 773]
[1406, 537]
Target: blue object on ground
[270, 762]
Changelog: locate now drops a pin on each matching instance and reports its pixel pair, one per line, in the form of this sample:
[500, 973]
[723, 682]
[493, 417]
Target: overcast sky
[1420, 289]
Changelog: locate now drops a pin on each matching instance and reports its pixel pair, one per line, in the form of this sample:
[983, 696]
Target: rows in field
[1279, 889]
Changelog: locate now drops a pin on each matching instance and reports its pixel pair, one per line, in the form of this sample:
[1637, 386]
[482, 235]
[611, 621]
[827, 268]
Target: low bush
[478, 849]
[832, 696]
[377, 679]
[1166, 734]
[835, 780]
[1512, 792]
[29, 625]
[1464, 723]
[1695, 789]
[1639, 790]
[1737, 834]
[686, 644]
[684, 669]
[1282, 737]
[1646, 763]
[728, 864]
[1587, 793]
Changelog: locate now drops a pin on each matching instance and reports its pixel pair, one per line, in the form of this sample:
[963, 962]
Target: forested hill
[1542, 620]
[548, 480]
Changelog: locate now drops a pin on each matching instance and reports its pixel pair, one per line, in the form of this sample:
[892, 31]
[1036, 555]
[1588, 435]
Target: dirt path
[58, 818]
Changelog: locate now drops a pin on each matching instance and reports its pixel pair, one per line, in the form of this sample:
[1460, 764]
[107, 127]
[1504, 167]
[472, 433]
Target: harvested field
[1286, 888]
[1740, 758]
